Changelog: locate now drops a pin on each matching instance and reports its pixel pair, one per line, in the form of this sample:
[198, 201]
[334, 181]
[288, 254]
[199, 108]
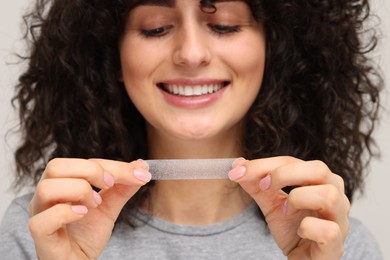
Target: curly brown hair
[319, 98]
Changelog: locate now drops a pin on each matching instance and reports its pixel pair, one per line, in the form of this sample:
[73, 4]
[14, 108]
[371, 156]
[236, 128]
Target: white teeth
[188, 91]
[205, 89]
[197, 90]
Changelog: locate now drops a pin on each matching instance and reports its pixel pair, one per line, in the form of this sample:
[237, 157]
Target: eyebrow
[221, 1]
[171, 3]
[165, 3]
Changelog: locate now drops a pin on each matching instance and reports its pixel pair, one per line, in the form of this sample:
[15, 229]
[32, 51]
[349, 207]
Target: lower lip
[193, 101]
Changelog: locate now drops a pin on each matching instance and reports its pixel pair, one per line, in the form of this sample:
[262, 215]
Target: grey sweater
[244, 237]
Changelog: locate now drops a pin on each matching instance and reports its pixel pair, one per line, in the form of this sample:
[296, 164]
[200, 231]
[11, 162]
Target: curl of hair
[319, 98]
[320, 94]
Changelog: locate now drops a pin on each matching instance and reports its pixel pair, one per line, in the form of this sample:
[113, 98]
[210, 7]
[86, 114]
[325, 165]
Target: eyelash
[222, 30]
[218, 29]
[156, 32]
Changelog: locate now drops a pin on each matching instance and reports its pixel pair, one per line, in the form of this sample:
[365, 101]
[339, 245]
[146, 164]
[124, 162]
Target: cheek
[129, 65]
[138, 60]
[246, 57]
[132, 72]
[247, 60]
[251, 58]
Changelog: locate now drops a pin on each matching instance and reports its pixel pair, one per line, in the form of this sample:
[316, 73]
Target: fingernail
[285, 207]
[142, 175]
[108, 179]
[265, 183]
[97, 197]
[79, 209]
[238, 161]
[237, 173]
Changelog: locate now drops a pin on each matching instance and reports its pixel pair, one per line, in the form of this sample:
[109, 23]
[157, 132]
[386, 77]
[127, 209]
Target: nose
[192, 48]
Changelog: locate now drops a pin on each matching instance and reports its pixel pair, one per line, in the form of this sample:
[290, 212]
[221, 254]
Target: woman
[284, 85]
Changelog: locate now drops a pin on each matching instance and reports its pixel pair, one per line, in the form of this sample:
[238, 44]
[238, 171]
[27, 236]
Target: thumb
[251, 175]
[128, 178]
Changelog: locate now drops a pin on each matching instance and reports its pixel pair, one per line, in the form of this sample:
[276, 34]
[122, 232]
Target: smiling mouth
[192, 90]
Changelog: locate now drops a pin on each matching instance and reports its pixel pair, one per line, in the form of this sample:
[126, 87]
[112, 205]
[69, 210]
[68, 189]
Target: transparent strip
[190, 169]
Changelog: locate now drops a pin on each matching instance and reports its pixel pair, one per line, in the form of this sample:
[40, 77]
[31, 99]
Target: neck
[196, 202]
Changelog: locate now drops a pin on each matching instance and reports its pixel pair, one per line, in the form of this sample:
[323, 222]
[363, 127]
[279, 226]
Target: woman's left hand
[311, 222]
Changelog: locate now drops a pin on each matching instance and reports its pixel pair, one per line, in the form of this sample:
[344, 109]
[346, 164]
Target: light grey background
[373, 208]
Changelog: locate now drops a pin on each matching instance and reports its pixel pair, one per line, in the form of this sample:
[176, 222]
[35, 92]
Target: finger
[340, 182]
[300, 174]
[44, 226]
[327, 200]
[53, 191]
[99, 172]
[249, 173]
[88, 170]
[327, 236]
[129, 178]
[133, 173]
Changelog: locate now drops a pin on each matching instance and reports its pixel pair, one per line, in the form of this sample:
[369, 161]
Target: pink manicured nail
[237, 173]
[142, 175]
[79, 209]
[265, 183]
[97, 197]
[108, 179]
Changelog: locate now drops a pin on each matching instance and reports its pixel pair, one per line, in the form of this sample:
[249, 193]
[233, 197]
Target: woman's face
[192, 75]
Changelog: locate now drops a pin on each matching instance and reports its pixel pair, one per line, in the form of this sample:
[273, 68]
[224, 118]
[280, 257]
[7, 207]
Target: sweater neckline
[193, 230]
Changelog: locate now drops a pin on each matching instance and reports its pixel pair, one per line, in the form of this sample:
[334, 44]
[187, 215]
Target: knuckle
[138, 163]
[34, 227]
[321, 170]
[332, 233]
[50, 167]
[339, 179]
[292, 198]
[340, 182]
[331, 196]
[347, 204]
[93, 167]
[85, 191]
[289, 160]
[43, 191]
[51, 170]
[305, 225]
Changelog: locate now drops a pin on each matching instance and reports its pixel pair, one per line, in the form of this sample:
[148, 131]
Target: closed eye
[221, 29]
[156, 32]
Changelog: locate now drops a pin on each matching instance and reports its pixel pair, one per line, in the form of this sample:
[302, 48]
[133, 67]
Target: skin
[71, 221]
[192, 52]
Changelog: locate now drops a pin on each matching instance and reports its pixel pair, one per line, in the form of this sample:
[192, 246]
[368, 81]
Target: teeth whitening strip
[190, 169]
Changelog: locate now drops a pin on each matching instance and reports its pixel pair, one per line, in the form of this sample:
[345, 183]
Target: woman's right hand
[72, 221]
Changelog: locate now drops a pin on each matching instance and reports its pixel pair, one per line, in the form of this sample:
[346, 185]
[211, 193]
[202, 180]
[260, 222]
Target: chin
[195, 135]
